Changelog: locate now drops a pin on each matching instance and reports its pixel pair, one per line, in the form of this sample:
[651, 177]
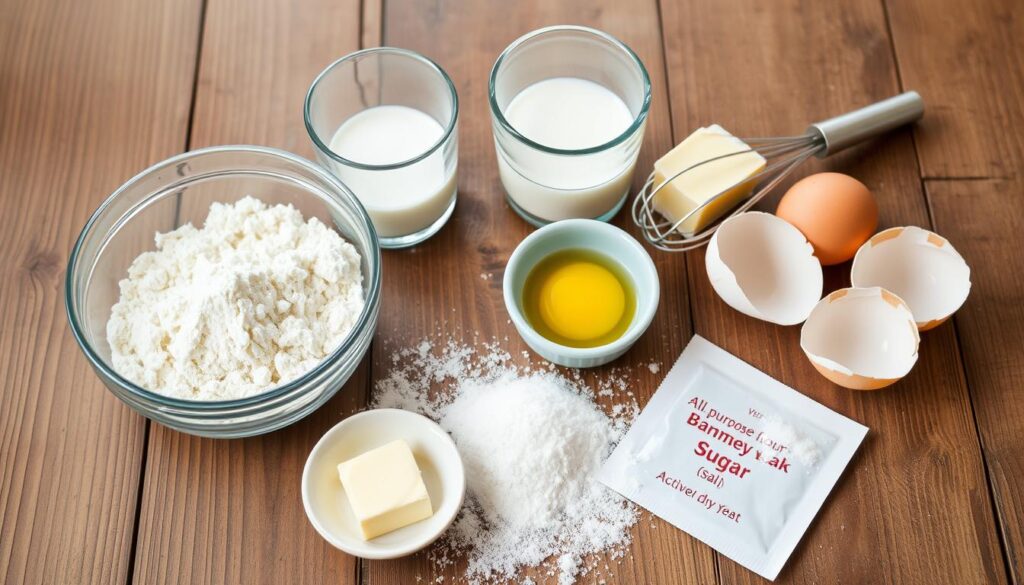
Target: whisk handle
[859, 125]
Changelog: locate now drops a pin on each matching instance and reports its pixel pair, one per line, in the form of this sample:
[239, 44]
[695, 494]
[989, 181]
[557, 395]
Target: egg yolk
[579, 298]
[582, 301]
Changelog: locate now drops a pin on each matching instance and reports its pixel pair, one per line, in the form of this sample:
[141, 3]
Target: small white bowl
[599, 237]
[327, 506]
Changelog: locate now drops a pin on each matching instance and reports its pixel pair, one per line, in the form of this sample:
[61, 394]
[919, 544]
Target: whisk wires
[663, 233]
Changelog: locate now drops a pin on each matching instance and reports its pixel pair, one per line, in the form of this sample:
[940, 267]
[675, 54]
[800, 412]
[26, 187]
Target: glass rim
[326, 149]
[271, 394]
[638, 120]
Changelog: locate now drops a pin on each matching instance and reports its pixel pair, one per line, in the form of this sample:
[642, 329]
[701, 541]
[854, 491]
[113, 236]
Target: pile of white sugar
[532, 442]
[255, 298]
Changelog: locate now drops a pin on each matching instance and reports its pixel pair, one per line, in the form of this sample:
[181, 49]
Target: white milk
[567, 113]
[400, 201]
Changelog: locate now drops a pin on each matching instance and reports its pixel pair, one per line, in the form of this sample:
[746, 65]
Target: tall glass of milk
[568, 108]
[384, 121]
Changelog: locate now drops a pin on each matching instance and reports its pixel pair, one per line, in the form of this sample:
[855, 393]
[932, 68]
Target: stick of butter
[385, 489]
[696, 186]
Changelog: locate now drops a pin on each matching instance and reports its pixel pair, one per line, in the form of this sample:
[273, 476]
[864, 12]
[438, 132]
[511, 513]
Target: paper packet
[733, 457]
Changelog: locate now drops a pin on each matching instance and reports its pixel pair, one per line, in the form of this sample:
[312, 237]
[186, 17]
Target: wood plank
[438, 286]
[967, 63]
[967, 60]
[914, 506]
[92, 92]
[985, 221]
[217, 511]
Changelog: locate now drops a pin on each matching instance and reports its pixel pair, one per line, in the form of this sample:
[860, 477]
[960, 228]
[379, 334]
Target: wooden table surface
[92, 92]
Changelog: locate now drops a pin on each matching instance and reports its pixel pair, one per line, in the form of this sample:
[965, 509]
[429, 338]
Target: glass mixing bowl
[180, 190]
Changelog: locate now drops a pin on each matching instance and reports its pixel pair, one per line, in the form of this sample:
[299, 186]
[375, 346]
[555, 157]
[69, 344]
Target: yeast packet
[733, 457]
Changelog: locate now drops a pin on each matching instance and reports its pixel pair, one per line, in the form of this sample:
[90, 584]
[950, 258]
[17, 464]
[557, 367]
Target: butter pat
[385, 489]
[696, 186]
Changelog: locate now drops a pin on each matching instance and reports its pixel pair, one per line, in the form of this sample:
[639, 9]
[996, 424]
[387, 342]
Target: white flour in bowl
[532, 442]
[255, 298]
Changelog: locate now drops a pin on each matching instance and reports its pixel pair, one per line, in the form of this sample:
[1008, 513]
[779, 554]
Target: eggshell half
[861, 338]
[764, 267]
[921, 267]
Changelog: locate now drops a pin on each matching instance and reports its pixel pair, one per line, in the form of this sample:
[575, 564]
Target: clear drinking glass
[546, 184]
[410, 198]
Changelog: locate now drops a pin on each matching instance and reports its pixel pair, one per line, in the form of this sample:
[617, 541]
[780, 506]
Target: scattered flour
[532, 441]
[801, 446]
[254, 299]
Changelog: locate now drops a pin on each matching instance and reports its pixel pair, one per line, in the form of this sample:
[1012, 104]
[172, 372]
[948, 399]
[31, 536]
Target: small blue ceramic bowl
[599, 237]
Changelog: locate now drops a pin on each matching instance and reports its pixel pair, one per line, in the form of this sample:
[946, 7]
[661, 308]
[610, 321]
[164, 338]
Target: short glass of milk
[385, 122]
[568, 109]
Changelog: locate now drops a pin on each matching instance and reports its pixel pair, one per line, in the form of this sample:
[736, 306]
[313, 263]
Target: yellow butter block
[696, 186]
[385, 489]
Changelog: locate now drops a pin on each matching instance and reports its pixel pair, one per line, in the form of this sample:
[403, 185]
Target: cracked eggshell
[764, 267]
[861, 338]
[920, 267]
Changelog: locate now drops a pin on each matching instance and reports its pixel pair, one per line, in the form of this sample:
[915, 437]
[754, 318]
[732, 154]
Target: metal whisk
[783, 154]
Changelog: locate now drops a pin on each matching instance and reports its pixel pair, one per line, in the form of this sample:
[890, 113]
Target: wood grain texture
[216, 511]
[90, 94]
[967, 60]
[94, 91]
[451, 285]
[985, 222]
[914, 506]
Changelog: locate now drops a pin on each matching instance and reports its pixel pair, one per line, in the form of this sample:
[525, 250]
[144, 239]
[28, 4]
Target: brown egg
[835, 212]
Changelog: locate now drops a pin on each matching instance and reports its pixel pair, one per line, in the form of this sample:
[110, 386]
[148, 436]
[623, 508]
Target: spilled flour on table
[532, 441]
